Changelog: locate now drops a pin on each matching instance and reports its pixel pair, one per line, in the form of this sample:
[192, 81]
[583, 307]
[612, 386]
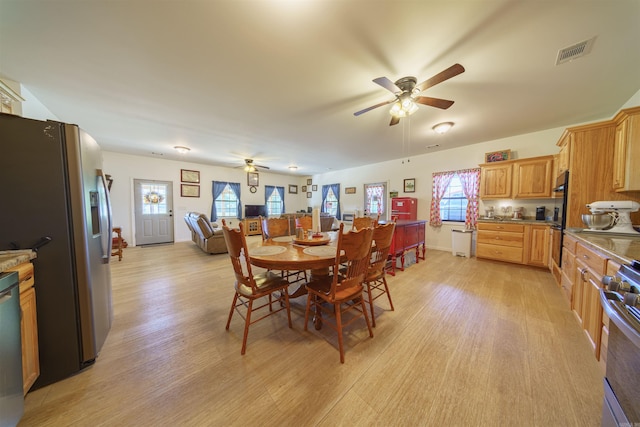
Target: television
[254, 211]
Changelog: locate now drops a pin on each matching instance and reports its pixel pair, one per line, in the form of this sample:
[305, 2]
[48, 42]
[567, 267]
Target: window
[453, 206]
[331, 203]
[274, 200]
[374, 201]
[227, 203]
[154, 199]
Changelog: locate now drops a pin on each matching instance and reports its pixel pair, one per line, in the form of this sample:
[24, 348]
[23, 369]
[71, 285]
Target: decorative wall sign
[350, 190]
[189, 190]
[393, 194]
[410, 185]
[253, 179]
[497, 156]
[293, 189]
[189, 176]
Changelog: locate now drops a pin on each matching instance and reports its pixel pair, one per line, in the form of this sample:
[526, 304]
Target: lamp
[182, 149]
[405, 106]
[443, 127]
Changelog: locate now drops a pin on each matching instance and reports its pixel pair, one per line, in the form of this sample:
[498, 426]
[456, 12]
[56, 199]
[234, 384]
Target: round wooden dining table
[294, 257]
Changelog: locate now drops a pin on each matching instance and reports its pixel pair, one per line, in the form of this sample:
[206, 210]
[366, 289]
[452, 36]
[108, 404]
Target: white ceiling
[279, 80]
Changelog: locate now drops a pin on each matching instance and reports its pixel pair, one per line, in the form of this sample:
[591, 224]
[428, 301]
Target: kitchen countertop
[515, 221]
[10, 259]
[621, 248]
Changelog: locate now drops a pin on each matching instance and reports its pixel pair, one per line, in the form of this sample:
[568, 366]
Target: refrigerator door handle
[105, 218]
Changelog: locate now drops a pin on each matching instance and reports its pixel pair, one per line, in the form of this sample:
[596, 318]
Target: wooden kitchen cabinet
[510, 242]
[519, 179]
[563, 155]
[532, 178]
[28, 325]
[495, 180]
[500, 241]
[590, 266]
[626, 155]
[537, 239]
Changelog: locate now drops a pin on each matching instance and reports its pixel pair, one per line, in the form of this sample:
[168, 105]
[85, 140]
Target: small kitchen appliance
[540, 211]
[518, 212]
[617, 210]
[488, 212]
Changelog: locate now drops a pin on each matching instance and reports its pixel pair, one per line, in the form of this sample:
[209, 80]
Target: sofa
[209, 237]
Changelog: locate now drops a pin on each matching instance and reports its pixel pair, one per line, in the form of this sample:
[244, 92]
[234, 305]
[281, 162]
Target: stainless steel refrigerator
[52, 186]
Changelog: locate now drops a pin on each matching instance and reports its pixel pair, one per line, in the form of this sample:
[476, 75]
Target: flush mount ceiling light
[443, 127]
[293, 168]
[182, 149]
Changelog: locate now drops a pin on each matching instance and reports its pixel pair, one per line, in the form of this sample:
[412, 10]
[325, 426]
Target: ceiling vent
[575, 51]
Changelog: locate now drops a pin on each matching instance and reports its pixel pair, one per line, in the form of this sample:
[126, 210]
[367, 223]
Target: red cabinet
[407, 235]
[404, 208]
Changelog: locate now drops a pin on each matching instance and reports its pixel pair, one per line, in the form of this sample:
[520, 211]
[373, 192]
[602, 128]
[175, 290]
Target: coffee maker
[540, 211]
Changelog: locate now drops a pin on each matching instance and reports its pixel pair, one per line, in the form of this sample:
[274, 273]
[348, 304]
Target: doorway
[153, 207]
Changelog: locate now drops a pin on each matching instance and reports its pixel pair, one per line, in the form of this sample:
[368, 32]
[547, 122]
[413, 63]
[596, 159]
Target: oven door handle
[621, 319]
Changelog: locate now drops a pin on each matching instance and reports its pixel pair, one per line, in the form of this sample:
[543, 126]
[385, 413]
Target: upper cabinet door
[495, 181]
[532, 178]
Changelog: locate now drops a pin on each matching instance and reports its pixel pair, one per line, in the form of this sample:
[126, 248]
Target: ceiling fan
[249, 166]
[406, 94]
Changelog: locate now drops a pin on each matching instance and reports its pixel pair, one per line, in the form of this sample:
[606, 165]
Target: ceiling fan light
[443, 127]
[182, 149]
[396, 110]
[413, 107]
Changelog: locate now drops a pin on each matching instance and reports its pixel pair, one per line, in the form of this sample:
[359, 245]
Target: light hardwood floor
[471, 343]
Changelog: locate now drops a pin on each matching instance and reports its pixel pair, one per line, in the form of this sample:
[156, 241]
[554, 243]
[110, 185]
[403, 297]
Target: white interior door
[153, 211]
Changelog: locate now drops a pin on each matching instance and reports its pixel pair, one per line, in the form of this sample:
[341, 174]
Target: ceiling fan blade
[452, 71]
[394, 120]
[434, 102]
[262, 167]
[357, 113]
[387, 84]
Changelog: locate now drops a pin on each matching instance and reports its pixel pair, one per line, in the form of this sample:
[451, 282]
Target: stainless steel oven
[559, 216]
[621, 301]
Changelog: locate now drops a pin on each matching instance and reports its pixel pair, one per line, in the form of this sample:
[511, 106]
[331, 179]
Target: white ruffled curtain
[441, 181]
[470, 179]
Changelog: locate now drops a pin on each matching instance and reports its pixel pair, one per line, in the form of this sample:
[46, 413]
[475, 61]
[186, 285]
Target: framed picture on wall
[350, 190]
[410, 185]
[309, 195]
[304, 188]
[314, 188]
[190, 176]
[309, 181]
[189, 190]
[293, 189]
[253, 179]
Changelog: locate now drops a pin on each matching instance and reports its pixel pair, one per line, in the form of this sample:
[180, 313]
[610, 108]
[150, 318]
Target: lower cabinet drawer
[499, 253]
[501, 238]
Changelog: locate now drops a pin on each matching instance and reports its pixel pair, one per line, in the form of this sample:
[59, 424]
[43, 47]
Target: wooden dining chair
[278, 227]
[275, 227]
[375, 280]
[305, 222]
[343, 292]
[364, 222]
[251, 289]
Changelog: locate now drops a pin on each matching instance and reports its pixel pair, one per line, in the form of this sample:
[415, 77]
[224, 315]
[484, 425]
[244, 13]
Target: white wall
[422, 167]
[124, 168]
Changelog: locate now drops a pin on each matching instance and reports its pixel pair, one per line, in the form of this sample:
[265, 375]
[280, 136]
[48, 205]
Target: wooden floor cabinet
[28, 325]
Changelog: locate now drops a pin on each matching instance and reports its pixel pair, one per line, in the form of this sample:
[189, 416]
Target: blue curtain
[281, 191]
[325, 193]
[217, 189]
[268, 190]
[235, 187]
[336, 191]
